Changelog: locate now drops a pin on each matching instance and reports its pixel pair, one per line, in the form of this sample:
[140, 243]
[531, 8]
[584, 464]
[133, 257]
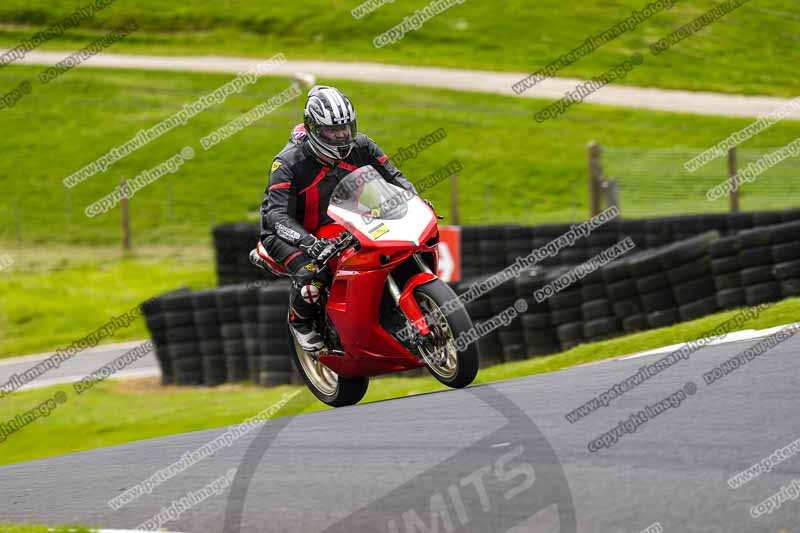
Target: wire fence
[650, 183]
[165, 212]
[655, 182]
[160, 216]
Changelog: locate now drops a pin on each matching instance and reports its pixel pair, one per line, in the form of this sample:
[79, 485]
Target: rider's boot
[305, 331]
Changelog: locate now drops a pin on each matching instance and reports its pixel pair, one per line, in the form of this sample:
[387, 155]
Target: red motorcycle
[385, 310]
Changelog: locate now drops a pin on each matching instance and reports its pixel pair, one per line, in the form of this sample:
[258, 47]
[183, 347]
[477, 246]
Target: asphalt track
[695, 102]
[374, 467]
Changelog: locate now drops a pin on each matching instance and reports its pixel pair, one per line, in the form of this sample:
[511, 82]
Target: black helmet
[330, 121]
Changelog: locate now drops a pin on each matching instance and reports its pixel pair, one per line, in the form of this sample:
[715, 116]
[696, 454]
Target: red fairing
[409, 305]
[353, 307]
[355, 297]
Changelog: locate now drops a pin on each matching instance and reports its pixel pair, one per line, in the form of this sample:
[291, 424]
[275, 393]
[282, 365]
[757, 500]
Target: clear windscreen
[366, 193]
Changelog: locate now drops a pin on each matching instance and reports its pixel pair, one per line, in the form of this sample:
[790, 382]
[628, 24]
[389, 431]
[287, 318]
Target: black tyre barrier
[694, 290]
[787, 270]
[490, 348]
[663, 318]
[682, 252]
[238, 332]
[755, 275]
[658, 300]
[570, 333]
[698, 308]
[762, 293]
[645, 263]
[625, 308]
[595, 309]
[232, 244]
[187, 367]
[790, 287]
[698, 268]
[786, 251]
[754, 238]
[652, 282]
[489, 248]
[726, 246]
[620, 290]
[727, 281]
[566, 299]
[725, 265]
[601, 328]
[594, 291]
[753, 257]
[634, 323]
[565, 316]
[158, 320]
[541, 341]
[731, 298]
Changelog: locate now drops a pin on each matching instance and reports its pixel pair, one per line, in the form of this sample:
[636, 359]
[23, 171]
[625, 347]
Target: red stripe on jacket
[347, 166]
[311, 218]
[289, 259]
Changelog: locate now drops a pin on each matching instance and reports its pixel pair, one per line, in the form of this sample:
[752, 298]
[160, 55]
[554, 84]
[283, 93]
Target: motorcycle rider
[303, 175]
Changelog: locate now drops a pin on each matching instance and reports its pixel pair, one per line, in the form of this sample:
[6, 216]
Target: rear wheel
[450, 366]
[327, 385]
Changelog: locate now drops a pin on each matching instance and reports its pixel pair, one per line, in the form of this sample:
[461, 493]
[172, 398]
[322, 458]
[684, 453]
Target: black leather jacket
[300, 187]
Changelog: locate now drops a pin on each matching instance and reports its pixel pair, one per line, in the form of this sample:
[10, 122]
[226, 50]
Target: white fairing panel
[366, 202]
[409, 228]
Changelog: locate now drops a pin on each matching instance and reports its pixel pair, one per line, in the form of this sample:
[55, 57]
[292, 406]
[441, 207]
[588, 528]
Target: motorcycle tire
[324, 383]
[431, 297]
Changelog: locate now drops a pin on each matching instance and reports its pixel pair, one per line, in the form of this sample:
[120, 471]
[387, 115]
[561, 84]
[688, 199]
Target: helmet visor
[339, 135]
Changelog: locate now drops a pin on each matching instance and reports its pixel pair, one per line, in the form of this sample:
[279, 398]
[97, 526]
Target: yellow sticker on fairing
[376, 232]
[276, 165]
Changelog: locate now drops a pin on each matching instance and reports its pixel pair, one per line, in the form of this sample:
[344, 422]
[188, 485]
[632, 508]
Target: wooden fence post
[454, 214]
[732, 171]
[611, 189]
[595, 165]
[126, 222]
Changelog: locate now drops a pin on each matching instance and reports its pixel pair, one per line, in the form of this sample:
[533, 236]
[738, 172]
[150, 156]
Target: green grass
[118, 412]
[747, 51]
[515, 170]
[29, 528]
[48, 301]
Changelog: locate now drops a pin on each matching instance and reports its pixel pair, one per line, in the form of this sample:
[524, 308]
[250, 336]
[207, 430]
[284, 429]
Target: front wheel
[450, 366]
[326, 384]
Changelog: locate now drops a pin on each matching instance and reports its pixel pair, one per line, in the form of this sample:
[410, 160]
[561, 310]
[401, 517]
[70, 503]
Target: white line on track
[736, 336]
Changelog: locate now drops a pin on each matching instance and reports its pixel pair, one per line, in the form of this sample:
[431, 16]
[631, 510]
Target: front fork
[405, 299]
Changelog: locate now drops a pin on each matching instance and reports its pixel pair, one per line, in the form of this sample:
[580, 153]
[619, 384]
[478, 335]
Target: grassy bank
[744, 52]
[53, 296]
[514, 169]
